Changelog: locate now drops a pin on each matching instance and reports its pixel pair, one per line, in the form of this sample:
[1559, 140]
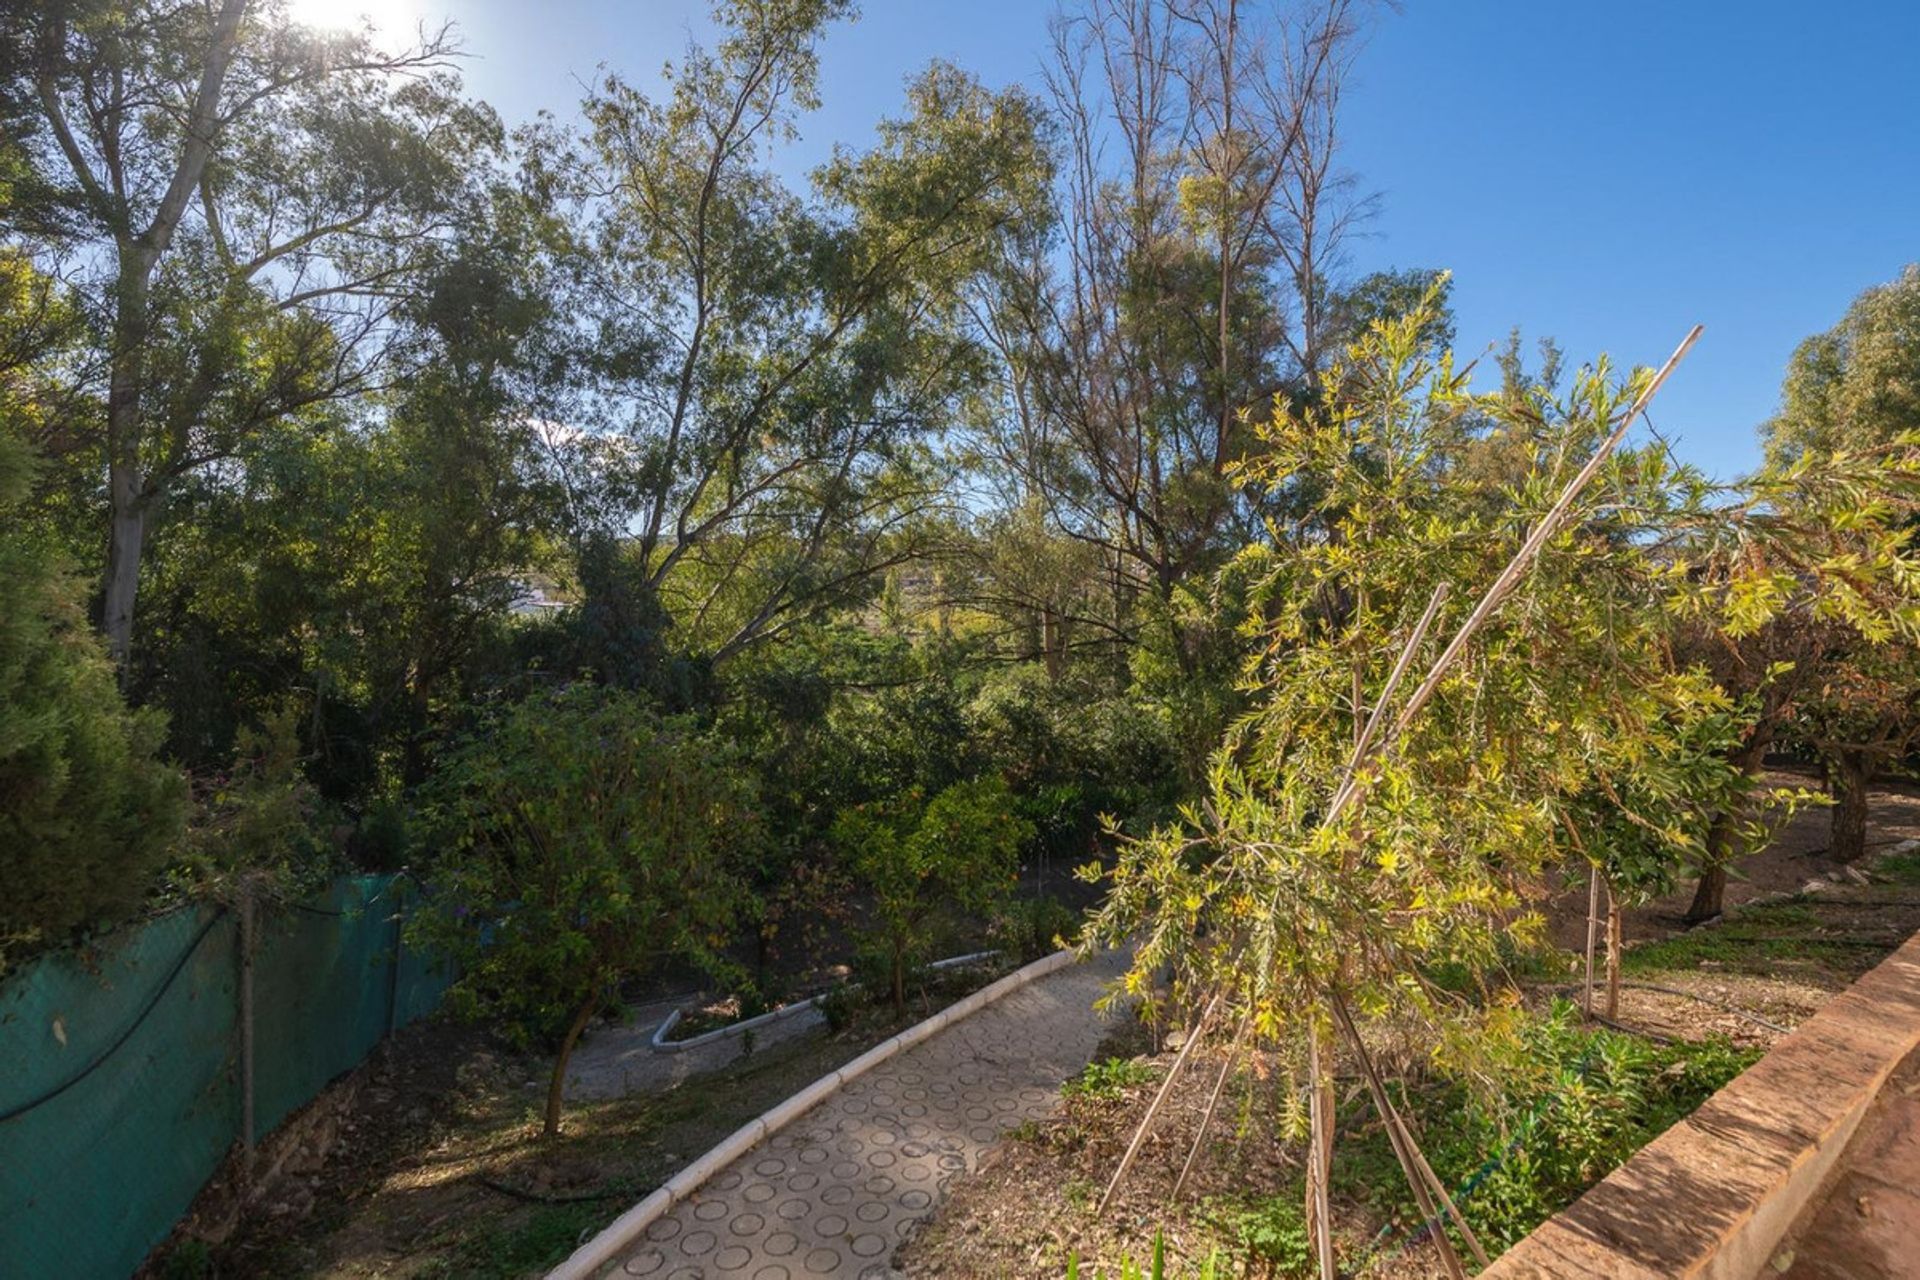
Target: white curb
[661, 1044]
[625, 1229]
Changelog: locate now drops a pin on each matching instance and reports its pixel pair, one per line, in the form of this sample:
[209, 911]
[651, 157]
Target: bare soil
[436, 1167]
[1774, 959]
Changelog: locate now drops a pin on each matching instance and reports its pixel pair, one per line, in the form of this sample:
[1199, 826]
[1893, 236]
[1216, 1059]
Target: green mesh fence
[120, 1065]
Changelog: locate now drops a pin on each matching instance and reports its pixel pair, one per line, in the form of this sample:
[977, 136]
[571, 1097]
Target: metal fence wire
[122, 1071]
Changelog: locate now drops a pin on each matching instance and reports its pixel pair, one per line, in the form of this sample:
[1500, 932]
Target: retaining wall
[1714, 1196]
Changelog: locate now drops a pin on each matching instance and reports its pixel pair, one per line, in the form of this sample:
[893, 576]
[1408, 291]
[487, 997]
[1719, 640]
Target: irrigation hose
[153, 1002]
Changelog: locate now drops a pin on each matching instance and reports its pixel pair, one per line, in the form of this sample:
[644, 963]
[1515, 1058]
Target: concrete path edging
[626, 1229]
[659, 1043]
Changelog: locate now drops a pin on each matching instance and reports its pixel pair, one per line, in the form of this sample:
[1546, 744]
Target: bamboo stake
[1420, 1175]
[1614, 945]
[1516, 568]
[1213, 1101]
[1319, 1154]
[1166, 1087]
[1593, 928]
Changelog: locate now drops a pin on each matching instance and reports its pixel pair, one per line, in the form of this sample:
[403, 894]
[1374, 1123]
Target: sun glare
[341, 15]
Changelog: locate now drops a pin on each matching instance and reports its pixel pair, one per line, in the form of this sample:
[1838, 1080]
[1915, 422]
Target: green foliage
[1253, 892]
[923, 861]
[1858, 384]
[260, 819]
[88, 812]
[1110, 1079]
[1272, 1230]
[583, 840]
[1029, 928]
[1579, 1102]
[1156, 1267]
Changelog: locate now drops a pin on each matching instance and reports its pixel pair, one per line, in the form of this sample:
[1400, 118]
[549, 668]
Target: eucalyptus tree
[1199, 228]
[762, 371]
[239, 201]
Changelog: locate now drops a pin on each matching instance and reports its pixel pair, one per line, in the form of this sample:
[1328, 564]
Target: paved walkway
[619, 1060]
[1868, 1225]
[837, 1191]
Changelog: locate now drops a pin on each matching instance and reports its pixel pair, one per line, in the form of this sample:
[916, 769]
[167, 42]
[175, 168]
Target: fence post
[247, 940]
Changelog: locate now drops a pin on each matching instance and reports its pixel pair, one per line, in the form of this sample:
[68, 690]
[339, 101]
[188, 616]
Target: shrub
[586, 840]
[87, 811]
[924, 861]
[1108, 1080]
[1029, 928]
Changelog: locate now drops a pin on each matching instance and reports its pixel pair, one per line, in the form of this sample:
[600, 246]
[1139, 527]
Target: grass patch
[1762, 940]
[503, 1249]
[1900, 868]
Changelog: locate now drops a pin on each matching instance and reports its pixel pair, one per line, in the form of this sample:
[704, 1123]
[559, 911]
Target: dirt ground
[437, 1168]
[1797, 854]
[1761, 970]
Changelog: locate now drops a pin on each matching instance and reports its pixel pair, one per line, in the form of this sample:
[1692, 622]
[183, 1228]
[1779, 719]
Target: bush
[87, 812]
[586, 840]
[1029, 928]
[927, 861]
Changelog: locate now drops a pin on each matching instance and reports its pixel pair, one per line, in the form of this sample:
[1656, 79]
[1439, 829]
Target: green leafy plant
[586, 840]
[1155, 1269]
[88, 811]
[1109, 1080]
[1030, 928]
[926, 861]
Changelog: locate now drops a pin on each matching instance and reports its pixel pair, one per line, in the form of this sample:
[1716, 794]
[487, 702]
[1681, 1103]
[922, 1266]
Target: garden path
[837, 1191]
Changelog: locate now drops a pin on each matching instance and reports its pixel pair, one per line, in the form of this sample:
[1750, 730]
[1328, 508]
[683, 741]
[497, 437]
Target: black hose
[152, 1002]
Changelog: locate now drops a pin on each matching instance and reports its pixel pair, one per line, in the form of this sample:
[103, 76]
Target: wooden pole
[1614, 944]
[1153, 1109]
[1509, 577]
[1213, 1101]
[1320, 1119]
[1420, 1176]
[1593, 929]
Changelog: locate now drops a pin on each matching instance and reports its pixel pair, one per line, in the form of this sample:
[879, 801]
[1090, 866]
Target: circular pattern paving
[835, 1197]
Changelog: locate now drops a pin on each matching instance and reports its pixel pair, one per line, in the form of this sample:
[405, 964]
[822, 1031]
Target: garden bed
[1598, 1097]
[708, 1021]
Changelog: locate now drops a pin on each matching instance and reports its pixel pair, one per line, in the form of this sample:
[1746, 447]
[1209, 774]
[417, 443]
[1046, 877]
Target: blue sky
[1608, 174]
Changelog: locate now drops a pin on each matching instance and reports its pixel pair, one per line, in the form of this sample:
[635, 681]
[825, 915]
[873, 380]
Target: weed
[1107, 1081]
[1156, 1268]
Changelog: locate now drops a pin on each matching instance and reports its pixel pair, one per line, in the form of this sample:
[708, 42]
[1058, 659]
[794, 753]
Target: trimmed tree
[587, 840]
[928, 861]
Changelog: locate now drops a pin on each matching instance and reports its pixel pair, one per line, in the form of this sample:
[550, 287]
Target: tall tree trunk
[1723, 838]
[126, 498]
[1848, 774]
[556, 1085]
